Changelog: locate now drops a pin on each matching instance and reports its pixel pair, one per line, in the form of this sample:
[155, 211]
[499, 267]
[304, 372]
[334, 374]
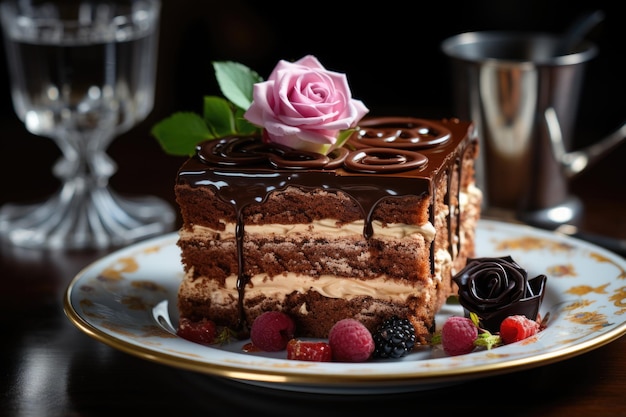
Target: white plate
[128, 301]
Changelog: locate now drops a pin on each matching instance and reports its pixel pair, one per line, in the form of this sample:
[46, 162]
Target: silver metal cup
[522, 96]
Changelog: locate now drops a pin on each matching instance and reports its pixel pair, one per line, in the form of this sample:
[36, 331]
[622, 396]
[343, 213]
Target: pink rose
[304, 106]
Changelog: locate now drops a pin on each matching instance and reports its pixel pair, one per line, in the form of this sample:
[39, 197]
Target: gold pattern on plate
[594, 319]
[619, 300]
[123, 265]
[134, 302]
[603, 259]
[578, 304]
[531, 243]
[586, 289]
[563, 270]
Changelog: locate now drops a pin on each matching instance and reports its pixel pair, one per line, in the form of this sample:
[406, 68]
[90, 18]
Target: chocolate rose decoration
[495, 288]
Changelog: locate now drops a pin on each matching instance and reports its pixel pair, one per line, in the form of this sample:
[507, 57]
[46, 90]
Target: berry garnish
[394, 338]
[203, 331]
[271, 331]
[309, 351]
[458, 335]
[516, 328]
[350, 341]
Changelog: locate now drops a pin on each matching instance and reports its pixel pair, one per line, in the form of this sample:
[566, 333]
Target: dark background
[389, 50]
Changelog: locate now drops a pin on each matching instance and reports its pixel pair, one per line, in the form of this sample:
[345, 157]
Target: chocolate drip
[367, 175]
[242, 279]
[458, 199]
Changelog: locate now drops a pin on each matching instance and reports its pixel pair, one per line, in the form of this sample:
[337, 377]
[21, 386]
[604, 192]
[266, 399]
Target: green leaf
[488, 340]
[244, 127]
[219, 117]
[225, 336]
[475, 319]
[236, 82]
[181, 132]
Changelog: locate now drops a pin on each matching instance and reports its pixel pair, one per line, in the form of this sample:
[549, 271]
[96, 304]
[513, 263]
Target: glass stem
[85, 213]
[85, 159]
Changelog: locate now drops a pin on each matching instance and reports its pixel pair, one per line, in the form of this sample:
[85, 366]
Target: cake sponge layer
[323, 244]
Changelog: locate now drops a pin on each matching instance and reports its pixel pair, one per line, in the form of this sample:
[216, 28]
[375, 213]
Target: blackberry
[394, 338]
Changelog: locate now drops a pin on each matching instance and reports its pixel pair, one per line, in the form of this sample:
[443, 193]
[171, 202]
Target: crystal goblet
[82, 73]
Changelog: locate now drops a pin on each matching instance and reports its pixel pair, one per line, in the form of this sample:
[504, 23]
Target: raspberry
[271, 331]
[516, 328]
[350, 341]
[203, 331]
[394, 338]
[458, 335]
[309, 351]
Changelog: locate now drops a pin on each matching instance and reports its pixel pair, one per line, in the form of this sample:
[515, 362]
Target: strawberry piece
[458, 335]
[516, 328]
[309, 351]
[271, 331]
[350, 341]
[203, 331]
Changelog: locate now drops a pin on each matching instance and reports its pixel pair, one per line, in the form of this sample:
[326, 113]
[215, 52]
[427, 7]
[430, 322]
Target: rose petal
[303, 105]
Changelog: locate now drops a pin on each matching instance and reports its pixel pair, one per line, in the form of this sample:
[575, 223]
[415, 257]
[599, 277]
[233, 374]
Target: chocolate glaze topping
[378, 162]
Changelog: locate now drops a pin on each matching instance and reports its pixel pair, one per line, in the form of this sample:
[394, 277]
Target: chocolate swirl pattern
[377, 160]
[249, 150]
[399, 132]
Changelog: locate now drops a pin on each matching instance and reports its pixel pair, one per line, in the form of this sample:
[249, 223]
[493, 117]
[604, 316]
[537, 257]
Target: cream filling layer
[282, 285]
[330, 227]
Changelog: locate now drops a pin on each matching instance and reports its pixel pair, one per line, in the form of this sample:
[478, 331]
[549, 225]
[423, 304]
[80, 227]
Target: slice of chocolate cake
[376, 228]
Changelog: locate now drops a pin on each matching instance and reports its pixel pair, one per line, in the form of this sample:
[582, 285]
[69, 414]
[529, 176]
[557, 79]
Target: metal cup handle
[575, 162]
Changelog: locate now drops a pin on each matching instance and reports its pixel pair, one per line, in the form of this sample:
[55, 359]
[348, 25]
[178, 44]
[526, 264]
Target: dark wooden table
[50, 368]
